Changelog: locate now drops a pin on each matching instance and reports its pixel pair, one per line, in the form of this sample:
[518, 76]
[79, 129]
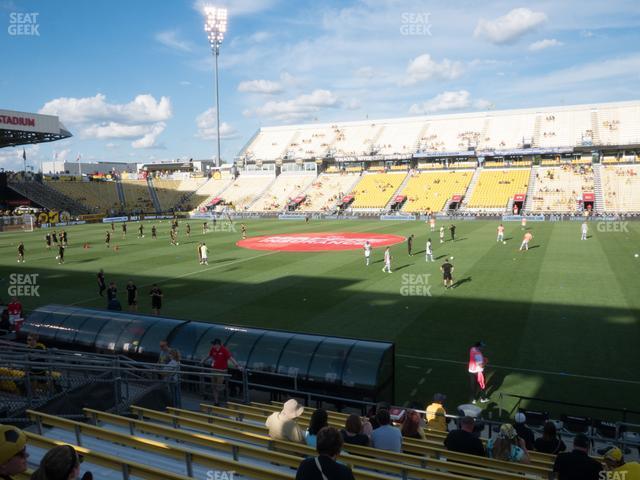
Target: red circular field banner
[319, 242]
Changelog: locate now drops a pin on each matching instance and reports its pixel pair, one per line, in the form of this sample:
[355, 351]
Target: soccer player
[156, 299]
[477, 362]
[54, 236]
[204, 254]
[243, 229]
[447, 273]
[141, 231]
[21, 252]
[410, 244]
[500, 233]
[523, 223]
[132, 295]
[525, 241]
[112, 292]
[60, 255]
[387, 261]
[452, 230]
[188, 230]
[199, 253]
[432, 223]
[585, 230]
[102, 286]
[113, 227]
[124, 230]
[154, 232]
[441, 234]
[47, 240]
[429, 251]
[65, 238]
[205, 228]
[367, 252]
[107, 239]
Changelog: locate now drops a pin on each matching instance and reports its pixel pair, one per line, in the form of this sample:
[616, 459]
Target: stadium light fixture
[216, 27]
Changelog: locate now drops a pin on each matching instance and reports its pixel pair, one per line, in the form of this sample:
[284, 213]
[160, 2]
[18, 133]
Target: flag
[78, 159]
[24, 154]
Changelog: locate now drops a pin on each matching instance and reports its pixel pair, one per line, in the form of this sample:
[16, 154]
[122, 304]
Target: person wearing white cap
[13, 452]
[283, 426]
[524, 432]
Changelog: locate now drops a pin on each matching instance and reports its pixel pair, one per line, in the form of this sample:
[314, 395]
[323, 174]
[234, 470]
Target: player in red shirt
[477, 362]
[15, 310]
[220, 358]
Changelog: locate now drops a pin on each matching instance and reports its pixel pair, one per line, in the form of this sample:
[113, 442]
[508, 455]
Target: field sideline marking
[527, 370]
[195, 272]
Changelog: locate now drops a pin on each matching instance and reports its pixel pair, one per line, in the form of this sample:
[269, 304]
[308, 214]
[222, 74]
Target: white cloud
[424, 68]
[546, 43]
[170, 39]
[365, 72]
[11, 158]
[301, 107]
[259, 37]
[509, 27]
[237, 7]
[147, 133]
[206, 123]
[446, 101]
[267, 87]
[185, 83]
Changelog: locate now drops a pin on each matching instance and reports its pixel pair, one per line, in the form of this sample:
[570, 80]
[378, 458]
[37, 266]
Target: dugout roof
[22, 128]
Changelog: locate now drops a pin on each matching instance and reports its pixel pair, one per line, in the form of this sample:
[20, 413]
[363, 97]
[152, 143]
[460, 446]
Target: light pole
[216, 27]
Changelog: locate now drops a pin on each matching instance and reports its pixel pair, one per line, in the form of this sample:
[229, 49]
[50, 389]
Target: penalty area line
[188, 274]
[526, 370]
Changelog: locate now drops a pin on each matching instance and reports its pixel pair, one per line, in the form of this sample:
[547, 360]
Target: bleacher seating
[326, 190]
[621, 188]
[558, 189]
[211, 189]
[136, 194]
[495, 188]
[100, 197]
[245, 189]
[374, 190]
[172, 193]
[432, 190]
[285, 188]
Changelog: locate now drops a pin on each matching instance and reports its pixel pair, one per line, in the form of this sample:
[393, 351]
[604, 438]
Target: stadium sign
[517, 218]
[291, 216]
[518, 152]
[319, 242]
[114, 219]
[28, 122]
[403, 216]
[464, 153]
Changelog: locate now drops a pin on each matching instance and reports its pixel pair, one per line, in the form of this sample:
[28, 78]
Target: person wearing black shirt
[352, 431]
[55, 237]
[524, 432]
[64, 237]
[113, 227]
[324, 466]
[463, 440]
[47, 239]
[124, 230]
[102, 286]
[107, 239]
[447, 273]
[141, 231]
[452, 230]
[112, 292]
[577, 465]
[410, 244]
[154, 232]
[21, 253]
[156, 299]
[189, 230]
[60, 256]
[132, 295]
[549, 442]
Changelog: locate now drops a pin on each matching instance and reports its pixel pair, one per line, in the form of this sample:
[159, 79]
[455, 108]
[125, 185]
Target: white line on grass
[527, 370]
[188, 274]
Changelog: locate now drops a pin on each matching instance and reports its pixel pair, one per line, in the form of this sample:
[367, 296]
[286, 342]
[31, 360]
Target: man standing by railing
[220, 358]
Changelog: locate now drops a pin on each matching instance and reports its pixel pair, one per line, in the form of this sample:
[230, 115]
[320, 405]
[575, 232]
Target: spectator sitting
[282, 425]
[463, 440]
[549, 442]
[5, 324]
[60, 463]
[524, 432]
[372, 413]
[614, 462]
[353, 431]
[411, 425]
[13, 451]
[508, 446]
[324, 466]
[436, 414]
[386, 436]
[577, 465]
[319, 420]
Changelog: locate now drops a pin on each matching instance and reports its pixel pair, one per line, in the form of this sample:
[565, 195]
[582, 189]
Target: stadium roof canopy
[22, 128]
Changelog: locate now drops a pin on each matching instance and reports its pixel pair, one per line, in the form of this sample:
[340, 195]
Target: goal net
[18, 223]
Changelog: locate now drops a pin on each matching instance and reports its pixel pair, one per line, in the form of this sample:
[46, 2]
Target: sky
[134, 80]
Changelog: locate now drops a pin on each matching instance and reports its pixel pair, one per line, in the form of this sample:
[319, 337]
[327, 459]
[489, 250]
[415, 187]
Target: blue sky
[133, 80]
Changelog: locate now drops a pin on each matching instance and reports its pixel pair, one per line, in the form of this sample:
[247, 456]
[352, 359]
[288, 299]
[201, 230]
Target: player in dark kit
[188, 230]
[154, 232]
[447, 273]
[64, 238]
[205, 228]
[60, 256]
[47, 240]
[107, 239]
[124, 230]
[452, 230]
[102, 286]
[243, 229]
[156, 299]
[21, 253]
[113, 227]
[141, 231]
[132, 296]
[410, 244]
[54, 236]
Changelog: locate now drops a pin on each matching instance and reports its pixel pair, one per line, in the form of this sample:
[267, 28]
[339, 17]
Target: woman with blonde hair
[508, 446]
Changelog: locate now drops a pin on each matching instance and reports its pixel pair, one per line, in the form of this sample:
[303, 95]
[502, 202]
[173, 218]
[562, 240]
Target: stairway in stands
[597, 188]
[532, 187]
[472, 185]
[154, 195]
[595, 128]
[120, 191]
[397, 192]
[48, 197]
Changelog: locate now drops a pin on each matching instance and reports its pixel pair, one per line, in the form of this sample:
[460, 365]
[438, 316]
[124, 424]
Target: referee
[447, 273]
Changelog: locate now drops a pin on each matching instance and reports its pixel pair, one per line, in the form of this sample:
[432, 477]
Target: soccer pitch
[560, 321]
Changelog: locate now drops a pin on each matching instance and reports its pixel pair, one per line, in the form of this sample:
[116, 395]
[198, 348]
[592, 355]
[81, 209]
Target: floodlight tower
[216, 26]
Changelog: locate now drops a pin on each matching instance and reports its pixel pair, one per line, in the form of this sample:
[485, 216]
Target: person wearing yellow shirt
[436, 414]
[614, 462]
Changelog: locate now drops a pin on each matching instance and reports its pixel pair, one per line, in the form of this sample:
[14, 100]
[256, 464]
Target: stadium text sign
[319, 242]
[23, 285]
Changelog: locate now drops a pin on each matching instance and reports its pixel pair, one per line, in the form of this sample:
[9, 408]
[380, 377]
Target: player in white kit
[441, 234]
[387, 261]
[585, 230]
[204, 254]
[432, 224]
[367, 252]
[429, 251]
[500, 233]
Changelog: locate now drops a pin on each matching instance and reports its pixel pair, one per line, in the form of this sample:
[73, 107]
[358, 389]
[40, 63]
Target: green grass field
[561, 321]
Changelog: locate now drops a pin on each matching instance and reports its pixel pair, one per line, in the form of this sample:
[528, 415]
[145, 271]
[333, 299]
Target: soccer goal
[18, 223]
